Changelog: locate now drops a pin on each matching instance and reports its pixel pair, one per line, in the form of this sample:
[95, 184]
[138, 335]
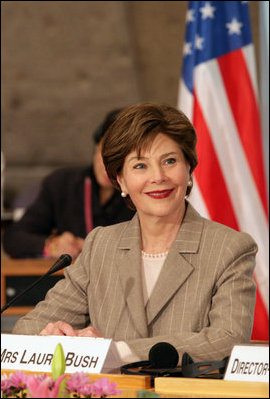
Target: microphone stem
[24, 292]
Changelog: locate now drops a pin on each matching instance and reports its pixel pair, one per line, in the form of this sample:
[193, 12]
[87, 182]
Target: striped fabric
[202, 303]
[218, 92]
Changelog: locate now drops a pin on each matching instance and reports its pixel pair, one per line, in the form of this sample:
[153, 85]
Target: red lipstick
[160, 194]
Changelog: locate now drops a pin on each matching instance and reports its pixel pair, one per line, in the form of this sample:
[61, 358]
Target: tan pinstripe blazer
[202, 303]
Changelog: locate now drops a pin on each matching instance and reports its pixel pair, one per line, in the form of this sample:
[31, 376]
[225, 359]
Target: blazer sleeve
[66, 301]
[231, 311]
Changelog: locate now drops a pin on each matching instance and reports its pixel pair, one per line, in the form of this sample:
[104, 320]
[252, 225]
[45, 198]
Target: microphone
[163, 355]
[163, 360]
[62, 262]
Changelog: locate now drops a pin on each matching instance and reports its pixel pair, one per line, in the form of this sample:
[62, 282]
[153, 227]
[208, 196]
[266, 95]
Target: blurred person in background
[71, 202]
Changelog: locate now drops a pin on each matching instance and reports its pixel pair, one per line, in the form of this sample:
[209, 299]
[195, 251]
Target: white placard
[248, 363]
[35, 352]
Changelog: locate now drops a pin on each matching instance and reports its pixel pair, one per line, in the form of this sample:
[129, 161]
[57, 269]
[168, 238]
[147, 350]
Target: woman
[166, 275]
[72, 201]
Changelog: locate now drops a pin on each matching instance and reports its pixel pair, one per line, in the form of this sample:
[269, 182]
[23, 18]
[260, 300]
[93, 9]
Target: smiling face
[157, 181]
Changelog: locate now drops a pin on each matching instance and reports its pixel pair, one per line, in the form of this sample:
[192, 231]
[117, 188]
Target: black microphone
[163, 360]
[64, 261]
[163, 355]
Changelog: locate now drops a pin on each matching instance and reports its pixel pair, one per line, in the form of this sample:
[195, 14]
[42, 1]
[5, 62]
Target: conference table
[178, 387]
[166, 387]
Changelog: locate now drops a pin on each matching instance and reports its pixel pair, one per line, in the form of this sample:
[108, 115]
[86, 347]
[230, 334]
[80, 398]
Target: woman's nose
[157, 175]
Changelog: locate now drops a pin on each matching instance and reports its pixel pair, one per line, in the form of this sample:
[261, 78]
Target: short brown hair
[137, 126]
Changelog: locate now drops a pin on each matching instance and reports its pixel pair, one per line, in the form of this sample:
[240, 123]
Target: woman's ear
[120, 181]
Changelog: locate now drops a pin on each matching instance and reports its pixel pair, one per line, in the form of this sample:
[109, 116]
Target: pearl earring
[123, 194]
[189, 183]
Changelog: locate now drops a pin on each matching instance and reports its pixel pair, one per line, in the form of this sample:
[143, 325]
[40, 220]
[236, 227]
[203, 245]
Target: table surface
[172, 387]
[36, 266]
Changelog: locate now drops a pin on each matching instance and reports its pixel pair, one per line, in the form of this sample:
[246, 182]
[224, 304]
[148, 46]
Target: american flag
[218, 92]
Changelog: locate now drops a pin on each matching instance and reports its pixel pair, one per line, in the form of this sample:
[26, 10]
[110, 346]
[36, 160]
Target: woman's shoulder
[67, 173]
[222, 231]
[228, 235]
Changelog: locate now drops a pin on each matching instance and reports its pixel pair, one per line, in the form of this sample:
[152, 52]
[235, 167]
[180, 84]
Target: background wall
[65, 64]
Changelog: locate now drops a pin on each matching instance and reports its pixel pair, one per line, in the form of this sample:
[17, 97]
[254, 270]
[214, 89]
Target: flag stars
[187, 48]
[207, 11]
[199, 42]
[234, 27]
[190, 16]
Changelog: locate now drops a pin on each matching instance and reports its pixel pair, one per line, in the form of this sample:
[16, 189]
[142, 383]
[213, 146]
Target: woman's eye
[139, 166]
[170, 161]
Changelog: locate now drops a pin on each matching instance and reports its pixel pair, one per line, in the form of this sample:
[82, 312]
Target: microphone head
[63, 261]
[163, 355]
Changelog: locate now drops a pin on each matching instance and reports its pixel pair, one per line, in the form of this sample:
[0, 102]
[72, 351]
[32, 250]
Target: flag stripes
[208, 87]
[218, 92]
[243, 102]
[221, 212]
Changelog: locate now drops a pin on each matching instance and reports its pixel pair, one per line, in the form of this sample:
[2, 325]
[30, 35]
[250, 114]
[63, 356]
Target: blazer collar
[187, 240]
[129, 264]
[174, 273]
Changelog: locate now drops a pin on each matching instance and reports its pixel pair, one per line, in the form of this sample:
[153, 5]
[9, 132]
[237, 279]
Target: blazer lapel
[176, 268]
[129, 266]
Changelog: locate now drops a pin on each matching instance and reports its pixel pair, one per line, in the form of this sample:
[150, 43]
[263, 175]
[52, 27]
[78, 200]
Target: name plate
[35, 352]
[248, 363]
